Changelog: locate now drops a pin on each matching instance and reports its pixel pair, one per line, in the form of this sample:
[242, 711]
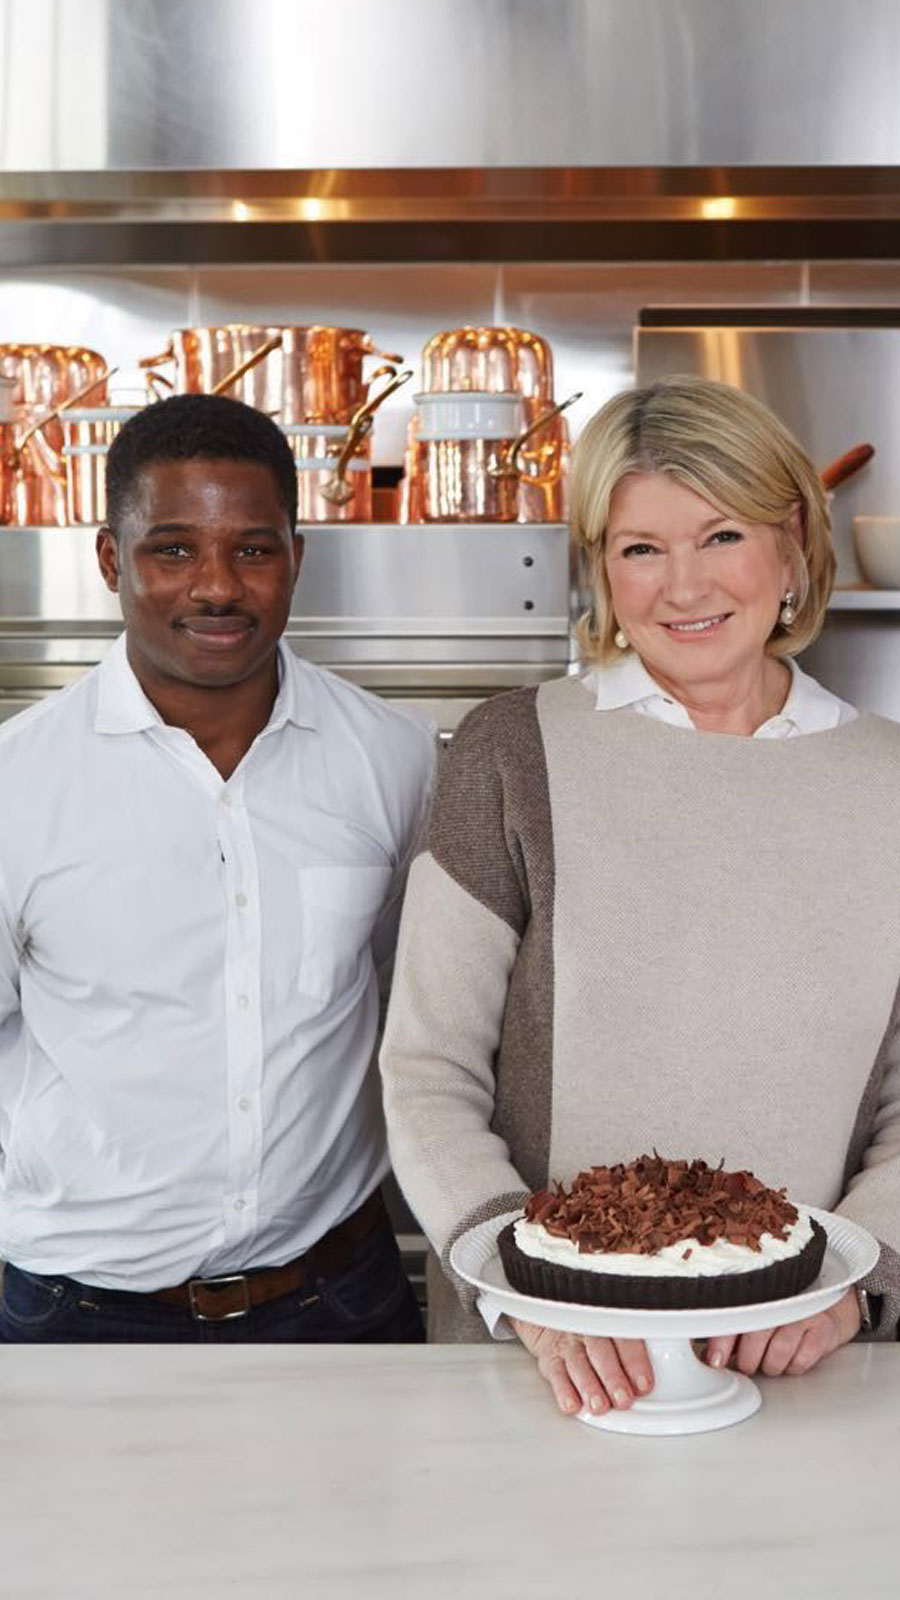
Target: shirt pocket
[338, 910]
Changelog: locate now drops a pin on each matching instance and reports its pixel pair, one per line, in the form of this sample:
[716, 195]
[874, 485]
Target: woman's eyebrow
[642, 533]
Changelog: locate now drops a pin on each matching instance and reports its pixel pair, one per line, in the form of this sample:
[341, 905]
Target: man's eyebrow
[264, 531]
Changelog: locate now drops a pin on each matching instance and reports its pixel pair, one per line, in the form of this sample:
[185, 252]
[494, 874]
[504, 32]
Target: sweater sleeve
[872, 1180]
[465, 911]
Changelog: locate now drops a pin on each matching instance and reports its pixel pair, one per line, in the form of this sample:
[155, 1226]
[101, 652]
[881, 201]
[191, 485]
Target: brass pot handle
[65, 405]
[509, 465]
[244, 366]
[336, 490]
[160, 359]
[157, 382]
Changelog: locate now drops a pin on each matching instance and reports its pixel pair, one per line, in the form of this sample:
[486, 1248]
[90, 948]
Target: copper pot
[316, 447]
[316, 375]
[89, 432]
[7, 453]
[462, 442]
[334, 478]
[470, 462]
[489, 360]
[43, 377]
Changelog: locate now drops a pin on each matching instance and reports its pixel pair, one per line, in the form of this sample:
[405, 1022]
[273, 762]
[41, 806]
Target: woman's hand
[592, 1373]
[791, 1350]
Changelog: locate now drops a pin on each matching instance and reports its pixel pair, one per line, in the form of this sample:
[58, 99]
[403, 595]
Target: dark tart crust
[551, 1282]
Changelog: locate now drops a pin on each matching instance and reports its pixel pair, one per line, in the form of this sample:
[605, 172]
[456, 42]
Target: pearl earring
[788, 612]
[619, 640]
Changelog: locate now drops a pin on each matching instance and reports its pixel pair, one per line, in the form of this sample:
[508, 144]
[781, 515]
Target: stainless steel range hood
[151, 130]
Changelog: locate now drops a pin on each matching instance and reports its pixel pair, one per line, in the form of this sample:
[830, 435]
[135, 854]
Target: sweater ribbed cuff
[884, 1282]
[512, 1200]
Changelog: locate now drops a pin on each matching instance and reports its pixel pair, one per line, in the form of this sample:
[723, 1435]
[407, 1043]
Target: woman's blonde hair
[727, 447]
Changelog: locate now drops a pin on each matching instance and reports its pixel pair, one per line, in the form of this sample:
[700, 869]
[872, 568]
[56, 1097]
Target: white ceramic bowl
[877, 544]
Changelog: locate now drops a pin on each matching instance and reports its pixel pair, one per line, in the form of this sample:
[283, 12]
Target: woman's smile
[703, 628]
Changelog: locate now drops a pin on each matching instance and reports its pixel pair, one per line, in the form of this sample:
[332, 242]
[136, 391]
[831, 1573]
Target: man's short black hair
[191, 426]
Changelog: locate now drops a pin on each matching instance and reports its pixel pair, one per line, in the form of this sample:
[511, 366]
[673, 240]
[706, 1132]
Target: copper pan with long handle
[37, 469]
[336, 490]
[42, 377]
[846, 466]
[316, 375]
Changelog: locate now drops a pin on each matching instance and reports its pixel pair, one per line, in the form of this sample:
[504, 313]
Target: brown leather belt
[236, 1293]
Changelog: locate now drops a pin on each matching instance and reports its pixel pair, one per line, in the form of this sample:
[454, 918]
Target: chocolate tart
[549, 1281]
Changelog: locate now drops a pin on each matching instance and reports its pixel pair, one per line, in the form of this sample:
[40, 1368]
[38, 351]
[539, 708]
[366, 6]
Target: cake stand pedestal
[688, 1396]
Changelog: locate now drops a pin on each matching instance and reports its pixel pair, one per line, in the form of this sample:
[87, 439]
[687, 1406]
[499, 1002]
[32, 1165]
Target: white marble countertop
[446, 1473]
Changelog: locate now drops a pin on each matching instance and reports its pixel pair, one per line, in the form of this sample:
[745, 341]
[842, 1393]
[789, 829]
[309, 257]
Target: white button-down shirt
[189, 992]
[809, 708]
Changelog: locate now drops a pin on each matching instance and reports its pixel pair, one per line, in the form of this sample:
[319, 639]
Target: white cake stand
[688, 1396]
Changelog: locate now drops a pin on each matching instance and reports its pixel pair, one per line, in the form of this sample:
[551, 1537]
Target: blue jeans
[369, 1301]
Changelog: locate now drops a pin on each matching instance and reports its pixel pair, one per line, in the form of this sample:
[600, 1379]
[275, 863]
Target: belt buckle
[196, 1284]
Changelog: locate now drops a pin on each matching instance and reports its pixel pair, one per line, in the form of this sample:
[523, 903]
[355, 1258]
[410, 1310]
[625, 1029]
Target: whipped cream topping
[686, 1258]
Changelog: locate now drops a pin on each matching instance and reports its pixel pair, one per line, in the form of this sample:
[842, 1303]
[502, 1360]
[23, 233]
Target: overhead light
[720, 209]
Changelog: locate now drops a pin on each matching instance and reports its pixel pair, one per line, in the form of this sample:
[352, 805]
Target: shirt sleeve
[385, 932]
[497, 1323]
[10, 957]
[872, 1184]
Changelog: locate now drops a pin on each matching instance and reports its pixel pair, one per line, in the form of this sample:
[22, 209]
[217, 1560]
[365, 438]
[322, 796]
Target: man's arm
[11, 941]
[384, 935]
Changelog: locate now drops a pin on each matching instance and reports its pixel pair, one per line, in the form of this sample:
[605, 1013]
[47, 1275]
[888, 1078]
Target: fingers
[593, 1374]
[598, 1380]
[720, 1350]
[636, 1364]
[750, 1349]
[791, 1350]
[821, 1335]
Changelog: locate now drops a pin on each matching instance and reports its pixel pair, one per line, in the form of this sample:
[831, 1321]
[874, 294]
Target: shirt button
[240, 901]
[240, 1204]
[225, 798]
[244, 1103]
[243, 1001]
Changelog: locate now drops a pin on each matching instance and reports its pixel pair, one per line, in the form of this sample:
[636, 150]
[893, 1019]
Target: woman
[660, 902]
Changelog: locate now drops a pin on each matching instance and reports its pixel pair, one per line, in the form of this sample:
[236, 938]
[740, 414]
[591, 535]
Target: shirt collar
[624, 683]
[809, 707]
[123, 707]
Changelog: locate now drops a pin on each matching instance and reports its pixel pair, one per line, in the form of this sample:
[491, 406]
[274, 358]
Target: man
[203, 846]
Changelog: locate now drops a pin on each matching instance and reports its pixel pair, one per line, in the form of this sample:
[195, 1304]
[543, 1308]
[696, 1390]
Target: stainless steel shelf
[865, 600]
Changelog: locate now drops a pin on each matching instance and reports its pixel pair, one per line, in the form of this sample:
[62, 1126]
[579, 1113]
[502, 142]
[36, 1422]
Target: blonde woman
[660, 901]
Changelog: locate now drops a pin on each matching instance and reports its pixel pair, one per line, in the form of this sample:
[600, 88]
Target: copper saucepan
[317, 376]
[32, 465]
[487, 360]
[336, 490]
[43, 377]
[469, 454]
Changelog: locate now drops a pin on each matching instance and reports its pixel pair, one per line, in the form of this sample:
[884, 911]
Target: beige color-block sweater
[623, 935]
